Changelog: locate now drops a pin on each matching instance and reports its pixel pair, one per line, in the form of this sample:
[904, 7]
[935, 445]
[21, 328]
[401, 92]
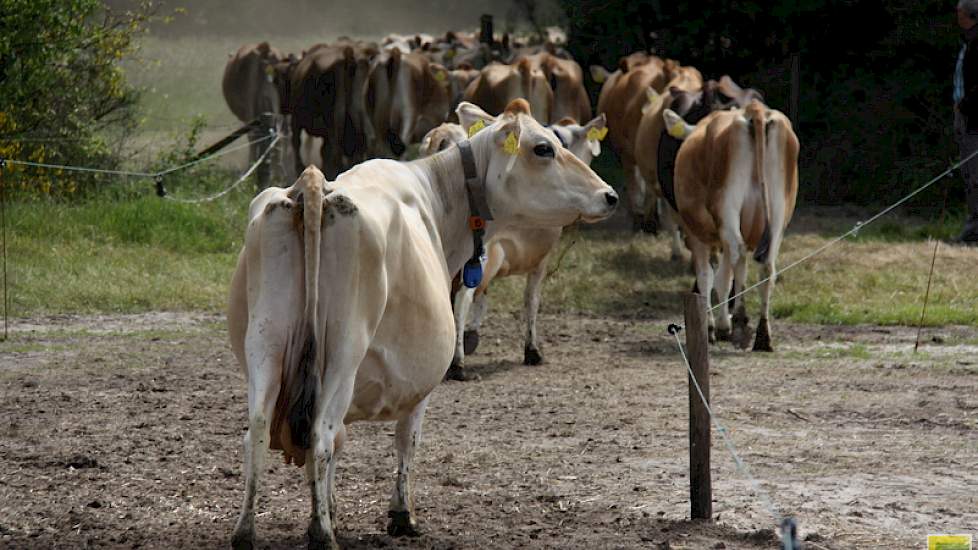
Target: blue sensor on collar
[472, 273]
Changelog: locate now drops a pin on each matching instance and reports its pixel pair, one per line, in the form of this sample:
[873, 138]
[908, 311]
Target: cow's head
[441, 138]
[530, 178]
[583, 141]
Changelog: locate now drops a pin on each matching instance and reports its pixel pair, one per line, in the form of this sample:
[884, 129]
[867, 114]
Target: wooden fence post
[485, 35]
[697, 348]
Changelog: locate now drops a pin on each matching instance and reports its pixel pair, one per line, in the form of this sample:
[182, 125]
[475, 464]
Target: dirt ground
[126, 432]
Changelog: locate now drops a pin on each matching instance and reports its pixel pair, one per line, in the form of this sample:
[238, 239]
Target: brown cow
[328, 102]
[499, 84]
[566, 80]
[623, 96]
[249, 85]
[690, 98]
[736, 181]
[322, 85]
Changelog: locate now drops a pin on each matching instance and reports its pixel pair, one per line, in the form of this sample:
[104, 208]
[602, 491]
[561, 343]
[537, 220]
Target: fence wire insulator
[674, 329]
[789, 535]
[3, 163]
[160, 190]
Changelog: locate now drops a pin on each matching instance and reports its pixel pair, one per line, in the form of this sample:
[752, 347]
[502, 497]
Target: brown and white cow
[499, 84]
[623, 96]
[736, 181]
[513, 251]
[339, 306]
[655, 149]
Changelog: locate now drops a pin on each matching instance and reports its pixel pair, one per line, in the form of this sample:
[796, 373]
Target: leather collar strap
[474, 186]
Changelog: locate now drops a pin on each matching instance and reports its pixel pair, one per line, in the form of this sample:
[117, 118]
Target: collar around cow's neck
[475, 188]
[479, 214]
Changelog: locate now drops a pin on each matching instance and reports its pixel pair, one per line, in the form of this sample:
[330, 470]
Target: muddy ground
[126, 432]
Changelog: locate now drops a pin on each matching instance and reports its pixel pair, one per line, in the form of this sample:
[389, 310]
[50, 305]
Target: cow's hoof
[675, 257]
[402, 525]
[723, 334]
[762, 340]
[243, 541]
[317, 540]
[711, 335]
[532, 356]
[741, 331]
[459, 374]
[650, 226]
[470, 341]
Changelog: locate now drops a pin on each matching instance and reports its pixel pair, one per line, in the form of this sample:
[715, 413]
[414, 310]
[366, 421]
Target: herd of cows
[351, 295]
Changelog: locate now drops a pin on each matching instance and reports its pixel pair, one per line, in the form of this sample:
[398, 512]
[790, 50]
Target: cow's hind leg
[668, 218]
[762, 340]
[263, 388]
[531, 303]
[704, 279]
[407, 437]
[741, 323]
[731, 256]
[331, 410]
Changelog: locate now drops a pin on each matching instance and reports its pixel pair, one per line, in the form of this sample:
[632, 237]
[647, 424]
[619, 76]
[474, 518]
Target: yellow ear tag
[474, 129]
[440, 76]
[512, 144]
[596, 134]
[678, 130]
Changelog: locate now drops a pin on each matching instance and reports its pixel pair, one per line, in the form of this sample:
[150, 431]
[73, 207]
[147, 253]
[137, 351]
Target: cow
[499, 84]
[440, 138]
[339, 307]
[736, 181]
[623, 95]
[249, 85]
[329, 103]
[322, 85]
[419, 95]
[655, 149]
[513, 251]
[566, 81]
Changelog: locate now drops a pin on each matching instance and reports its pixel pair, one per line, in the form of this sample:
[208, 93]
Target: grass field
[146, 254]
[138, 253]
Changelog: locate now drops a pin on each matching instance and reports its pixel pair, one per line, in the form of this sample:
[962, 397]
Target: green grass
[140, 253]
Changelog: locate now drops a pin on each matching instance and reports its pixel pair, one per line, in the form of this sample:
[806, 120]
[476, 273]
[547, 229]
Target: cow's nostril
[612, 198]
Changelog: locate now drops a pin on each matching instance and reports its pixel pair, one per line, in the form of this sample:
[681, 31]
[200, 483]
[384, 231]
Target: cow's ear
[595, 131]
[675, 125]
[599, 74]
[472, 118]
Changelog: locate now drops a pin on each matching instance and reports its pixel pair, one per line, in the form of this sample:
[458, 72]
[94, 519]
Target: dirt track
[126, 431]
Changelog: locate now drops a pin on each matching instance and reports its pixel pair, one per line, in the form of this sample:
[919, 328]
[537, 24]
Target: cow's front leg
[462, 301]
[531, 304]
[406, 438]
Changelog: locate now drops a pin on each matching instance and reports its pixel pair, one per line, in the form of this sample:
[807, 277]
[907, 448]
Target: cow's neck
[450, 204]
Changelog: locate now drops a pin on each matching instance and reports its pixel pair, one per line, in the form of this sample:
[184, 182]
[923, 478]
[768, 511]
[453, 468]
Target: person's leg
[968, 144]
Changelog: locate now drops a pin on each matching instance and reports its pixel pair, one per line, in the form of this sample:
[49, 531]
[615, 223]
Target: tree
[61, 85]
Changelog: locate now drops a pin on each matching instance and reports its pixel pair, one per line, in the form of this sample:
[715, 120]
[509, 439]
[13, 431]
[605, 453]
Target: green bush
[62, 91]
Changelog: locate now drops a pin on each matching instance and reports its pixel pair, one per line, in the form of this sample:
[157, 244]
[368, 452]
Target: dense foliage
[61, 85]
[875, 77]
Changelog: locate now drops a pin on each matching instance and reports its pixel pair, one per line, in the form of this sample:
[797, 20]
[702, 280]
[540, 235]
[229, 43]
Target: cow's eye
[544, 150]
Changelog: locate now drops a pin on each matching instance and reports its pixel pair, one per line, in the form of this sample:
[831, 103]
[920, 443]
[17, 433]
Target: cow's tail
[303, 371]
[756, 114]
[526, 73]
